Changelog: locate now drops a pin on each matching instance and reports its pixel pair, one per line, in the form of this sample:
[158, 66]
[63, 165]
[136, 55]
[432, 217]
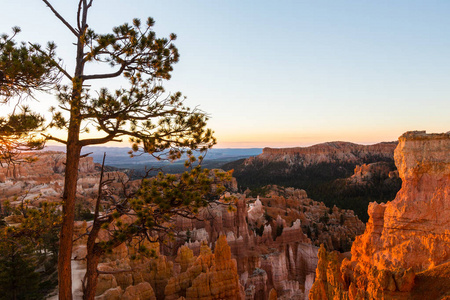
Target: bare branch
[108, 138]
[49, 137]
[78, 15]
[107, 75]
[61, 19]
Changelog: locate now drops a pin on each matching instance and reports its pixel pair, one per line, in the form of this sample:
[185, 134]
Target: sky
[284, 73]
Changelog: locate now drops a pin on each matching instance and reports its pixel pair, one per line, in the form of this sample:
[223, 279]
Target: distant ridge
[330, 152]
[332, 147]
[318, 169]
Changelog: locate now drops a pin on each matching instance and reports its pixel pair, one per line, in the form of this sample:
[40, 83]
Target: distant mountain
[317, 169]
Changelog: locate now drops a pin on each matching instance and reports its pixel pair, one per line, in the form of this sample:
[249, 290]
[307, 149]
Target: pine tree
[24, 69]
[26, 246]
[155, 123]
[18, 279]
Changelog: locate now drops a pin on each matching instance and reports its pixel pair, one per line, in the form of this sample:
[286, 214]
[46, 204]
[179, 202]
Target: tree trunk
[66, 235]
[73, 150]
[91, 276]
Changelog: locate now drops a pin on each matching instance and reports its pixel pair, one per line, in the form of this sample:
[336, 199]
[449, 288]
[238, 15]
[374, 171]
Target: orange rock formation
[406, 239]
[211, 276]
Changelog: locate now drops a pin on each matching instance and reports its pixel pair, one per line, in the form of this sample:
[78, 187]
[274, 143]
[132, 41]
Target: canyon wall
[406, 245]
[327, 153]
[270, 260]
[43, 166]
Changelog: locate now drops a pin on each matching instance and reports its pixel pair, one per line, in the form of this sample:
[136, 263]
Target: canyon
[321, 170]
[268, 244]
[276, 242]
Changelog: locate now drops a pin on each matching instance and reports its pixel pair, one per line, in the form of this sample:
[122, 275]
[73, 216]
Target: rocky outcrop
[405, 239]
[211, 276]
[141, 291]
[366, 173]
[418, 220]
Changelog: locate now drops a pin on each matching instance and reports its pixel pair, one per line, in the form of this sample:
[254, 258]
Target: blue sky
[287, 73]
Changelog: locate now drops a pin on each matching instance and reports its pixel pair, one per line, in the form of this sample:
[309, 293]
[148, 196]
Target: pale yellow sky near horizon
[296, 74]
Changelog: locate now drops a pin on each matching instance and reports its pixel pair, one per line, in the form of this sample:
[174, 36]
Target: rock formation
[268, 238]
[366, 173]
[211, 276]
[321, 170]
[265, 255]
[334, 227]
[263, 262]
[41, 177]
[405, 240]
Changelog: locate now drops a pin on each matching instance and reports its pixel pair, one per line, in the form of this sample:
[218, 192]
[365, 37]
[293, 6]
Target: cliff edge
[405, 240]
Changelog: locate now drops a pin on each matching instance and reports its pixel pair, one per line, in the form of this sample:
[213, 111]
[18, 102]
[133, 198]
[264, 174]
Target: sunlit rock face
[209, 276]
[412, 231]
[40, 177]
[406, 239]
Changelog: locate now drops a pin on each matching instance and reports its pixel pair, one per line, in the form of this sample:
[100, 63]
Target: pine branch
[61, 69]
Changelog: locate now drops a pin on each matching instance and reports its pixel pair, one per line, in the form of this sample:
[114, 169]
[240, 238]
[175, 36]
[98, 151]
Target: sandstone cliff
[264, 261]
[406, 240]
[210, 276]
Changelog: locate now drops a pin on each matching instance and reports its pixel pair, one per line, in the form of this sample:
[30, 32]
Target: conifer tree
[24, 69]
[26, 246]
[155, 123]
